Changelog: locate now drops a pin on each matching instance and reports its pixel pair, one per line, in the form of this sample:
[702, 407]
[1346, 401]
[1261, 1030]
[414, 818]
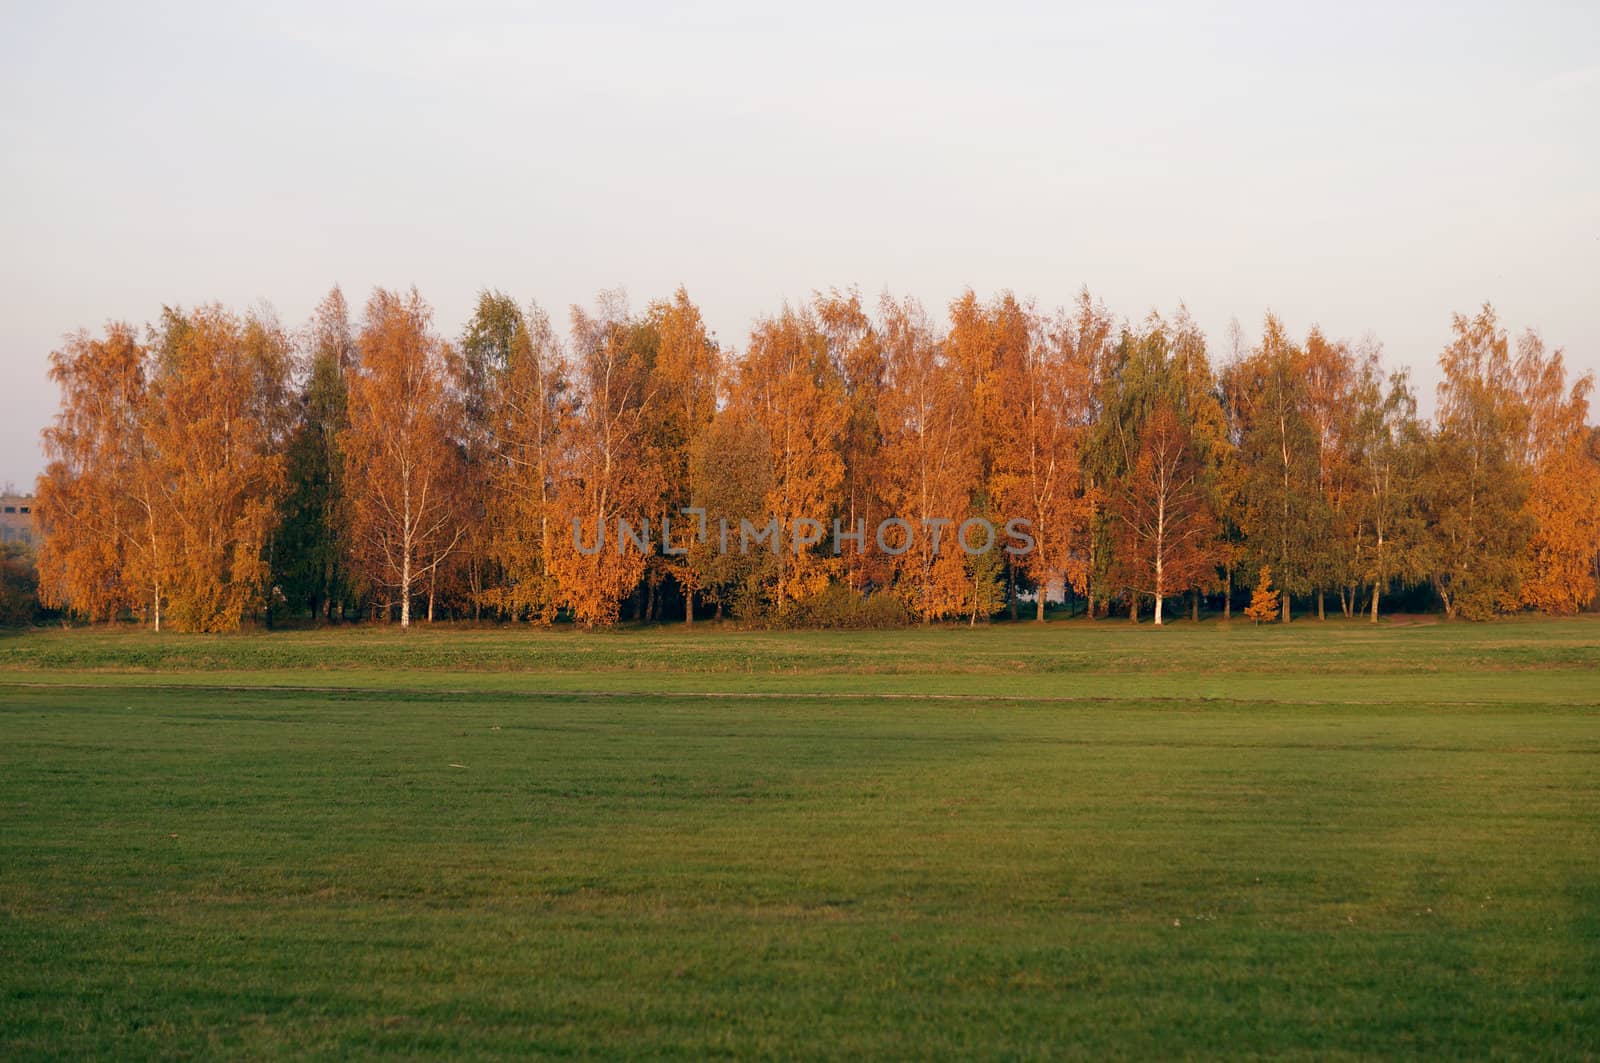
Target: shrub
[838, 606]
[19, 586]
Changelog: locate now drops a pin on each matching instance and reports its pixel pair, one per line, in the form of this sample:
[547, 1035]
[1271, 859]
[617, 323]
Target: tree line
[216, 467]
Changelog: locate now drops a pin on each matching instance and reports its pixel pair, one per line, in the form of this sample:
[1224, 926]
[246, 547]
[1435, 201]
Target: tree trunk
[1227, 593]
[649, 601]
[1285, 607]
[477, 591]
[1133, 608]
[1375, 586]
[1161, 585]
[688, 606]
[405, 591]
[1197, 606]
[1088, 584]
[1321, 613]
[1040, 617]
[1011, 588]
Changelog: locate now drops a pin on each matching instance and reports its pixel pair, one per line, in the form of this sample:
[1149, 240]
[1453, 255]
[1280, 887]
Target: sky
[1370, 168]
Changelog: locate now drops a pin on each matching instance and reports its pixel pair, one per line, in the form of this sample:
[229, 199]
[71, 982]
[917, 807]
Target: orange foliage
[464, 473]
[788, 387]
[607, 471]
[1557, 568]
[213, 469]
[929, 464]
[532, 408]
[1037, 466]
[1263, 607]
[400, 461]
[85, 507]
[686, 371]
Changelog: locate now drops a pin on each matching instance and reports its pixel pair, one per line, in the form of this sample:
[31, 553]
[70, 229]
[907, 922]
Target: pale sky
[1368, 167]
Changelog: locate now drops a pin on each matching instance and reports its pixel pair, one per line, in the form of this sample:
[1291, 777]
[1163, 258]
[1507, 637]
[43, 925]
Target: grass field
[1024, 842]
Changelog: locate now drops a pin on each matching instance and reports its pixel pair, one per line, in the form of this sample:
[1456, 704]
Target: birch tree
[400, 460]
[1475, 486]
[608, 473]
[533, 400]
[1168, 531]
[1386, 451]
[688, 369]
[1283, 512]
[1038, 465]
[213, 470]
[1556, 570]
[856, 351]
[930, 465]
[86, 507]
[788, 387]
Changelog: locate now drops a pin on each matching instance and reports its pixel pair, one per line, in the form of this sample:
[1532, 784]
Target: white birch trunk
[405, 589]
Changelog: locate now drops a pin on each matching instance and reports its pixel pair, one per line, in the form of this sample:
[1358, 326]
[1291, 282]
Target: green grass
[1019, 842]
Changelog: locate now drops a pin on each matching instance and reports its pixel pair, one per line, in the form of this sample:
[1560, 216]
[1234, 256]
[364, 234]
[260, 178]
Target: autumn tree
[730, 479]
[1230, 468]
[988, 348]
[929, 465]
[1556, 569]
[856, 350]
[1137, 376]
[1474, 487]
[1593, 453]
[532, 400]
[167, 469]
[86, 510]
[1330, 376]
[1089, 332]
[1386, 452]
[1263, 607]
[1038, 464]
[688, 366]
[1202, 415]
[214, 430]
[494, 336]
[1283, 514]
[787, 386]
[608, 473]
[1167, 528]
[401, 464]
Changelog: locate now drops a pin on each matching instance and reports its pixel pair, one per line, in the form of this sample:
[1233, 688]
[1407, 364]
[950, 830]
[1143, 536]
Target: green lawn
[1017, 841]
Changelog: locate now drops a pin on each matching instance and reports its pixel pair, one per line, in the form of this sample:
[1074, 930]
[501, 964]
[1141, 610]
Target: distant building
[16, 519]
